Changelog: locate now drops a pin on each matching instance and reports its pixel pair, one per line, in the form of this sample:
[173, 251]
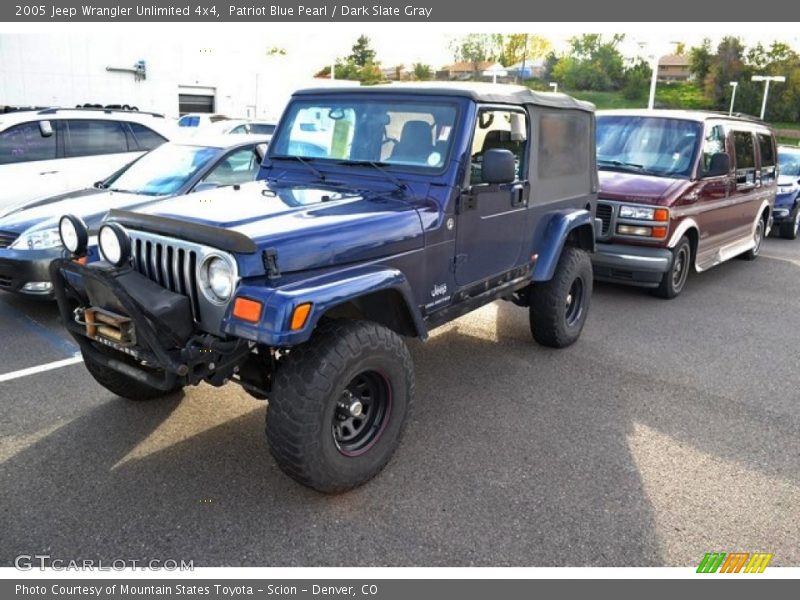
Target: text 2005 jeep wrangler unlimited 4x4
[385, 211]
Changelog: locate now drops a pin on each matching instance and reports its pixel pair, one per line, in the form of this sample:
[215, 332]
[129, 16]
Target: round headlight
[217, 275]
[73, 233]
[115, 245]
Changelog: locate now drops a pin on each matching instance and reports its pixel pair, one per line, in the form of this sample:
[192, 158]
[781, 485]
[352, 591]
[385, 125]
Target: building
[467, 70]
[533, 68]
[674, 67]
[159, 74]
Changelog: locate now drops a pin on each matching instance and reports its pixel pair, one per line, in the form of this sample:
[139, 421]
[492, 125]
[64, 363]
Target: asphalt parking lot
[669, 430]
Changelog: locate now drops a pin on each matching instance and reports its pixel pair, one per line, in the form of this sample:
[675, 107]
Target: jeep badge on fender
[381, 213]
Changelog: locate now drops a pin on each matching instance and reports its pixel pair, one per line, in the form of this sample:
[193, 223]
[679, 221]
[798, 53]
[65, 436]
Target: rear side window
[767, 151]
[146, 138]
[562, 147]
[25, 143]
[188, 121]
[745, 157]
[88, 137]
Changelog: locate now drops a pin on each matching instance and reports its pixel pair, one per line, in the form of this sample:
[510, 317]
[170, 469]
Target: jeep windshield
[647, 145]
[389, 133]
[162, 171]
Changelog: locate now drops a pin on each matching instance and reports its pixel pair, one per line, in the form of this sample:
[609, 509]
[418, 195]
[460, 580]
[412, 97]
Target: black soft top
[480, 92]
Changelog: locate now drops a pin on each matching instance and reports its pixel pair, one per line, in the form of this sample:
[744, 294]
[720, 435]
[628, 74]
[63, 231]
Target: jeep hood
[307, 227]
[633, 187]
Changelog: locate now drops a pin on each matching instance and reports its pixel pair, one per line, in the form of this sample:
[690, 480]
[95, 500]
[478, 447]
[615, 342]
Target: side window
[88, 137]
[25, 143]
[714, 143]
[239, 167]
[146, 138]
[499, 129]
[239, 129]
[767, 151]
[745, 158]
[562, 148]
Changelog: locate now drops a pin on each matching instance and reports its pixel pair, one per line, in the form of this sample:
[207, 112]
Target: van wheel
[122, 385]
[789, 230]
[674, 280]
[758, 238]
[339, 404]
[558, 307]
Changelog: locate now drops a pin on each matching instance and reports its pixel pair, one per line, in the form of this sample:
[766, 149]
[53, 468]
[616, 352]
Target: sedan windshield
[789, 163]
[384, 132]
[163, 171]
[649, 145]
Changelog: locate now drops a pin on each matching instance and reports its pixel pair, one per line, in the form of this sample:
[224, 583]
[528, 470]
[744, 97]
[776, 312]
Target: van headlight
[37, 240]
[218, 277]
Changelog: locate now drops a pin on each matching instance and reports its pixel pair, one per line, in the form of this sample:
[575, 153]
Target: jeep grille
[172, 264]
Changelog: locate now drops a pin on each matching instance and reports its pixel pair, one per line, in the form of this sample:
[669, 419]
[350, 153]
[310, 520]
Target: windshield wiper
[378, 166]
[305, 162]
[622, 164]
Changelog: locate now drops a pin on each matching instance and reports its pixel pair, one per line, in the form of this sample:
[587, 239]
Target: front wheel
[673, 280]
[558, 307]
[339, 404]
[789, 230]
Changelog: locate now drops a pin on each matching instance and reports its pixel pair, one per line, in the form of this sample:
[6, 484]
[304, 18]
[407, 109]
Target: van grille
[7, 238]
[603, 212]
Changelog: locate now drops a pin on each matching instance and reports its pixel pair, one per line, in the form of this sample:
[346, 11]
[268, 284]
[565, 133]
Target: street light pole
[651, 102]
[554, 85]
[734, 85]
[767, 79]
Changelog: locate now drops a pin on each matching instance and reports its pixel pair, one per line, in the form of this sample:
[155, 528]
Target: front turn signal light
[661, 214]
[300, 316]
[659, 232]
[247, 309]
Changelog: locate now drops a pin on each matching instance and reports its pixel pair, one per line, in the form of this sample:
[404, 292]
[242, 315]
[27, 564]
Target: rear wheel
[758, 238]
[339, 404]
[122, 385]
[674, 280]
[790, 230]
[558, 307]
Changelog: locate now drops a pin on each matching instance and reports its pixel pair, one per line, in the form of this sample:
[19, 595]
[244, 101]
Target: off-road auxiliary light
[74, 235]
[115, 244]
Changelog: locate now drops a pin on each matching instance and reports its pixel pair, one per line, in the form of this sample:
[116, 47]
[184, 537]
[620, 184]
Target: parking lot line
[39, 330]
[41, 368]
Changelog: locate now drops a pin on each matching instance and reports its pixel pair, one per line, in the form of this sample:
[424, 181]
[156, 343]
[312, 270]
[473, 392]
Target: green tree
[422, 72]
[362, 53]
[637, 81]
[593, 63]
[476, 48]
[523, 46]
[700, 59]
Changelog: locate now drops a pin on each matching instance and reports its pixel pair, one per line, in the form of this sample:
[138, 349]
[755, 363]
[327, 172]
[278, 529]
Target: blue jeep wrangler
[382, 212]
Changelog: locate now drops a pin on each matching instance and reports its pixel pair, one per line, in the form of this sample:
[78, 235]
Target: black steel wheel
[674, 280]
[339, 404]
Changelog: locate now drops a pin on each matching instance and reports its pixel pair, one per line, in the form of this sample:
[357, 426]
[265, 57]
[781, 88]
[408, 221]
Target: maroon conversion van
[680, 190]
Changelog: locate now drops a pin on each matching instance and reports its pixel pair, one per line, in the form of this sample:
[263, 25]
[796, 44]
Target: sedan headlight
[218, 278]
[37, 240]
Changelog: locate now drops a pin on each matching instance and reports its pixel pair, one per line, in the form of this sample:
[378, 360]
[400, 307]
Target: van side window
[714, 143]
[767, 151]
[499, 130]
[146, 138]
[25, 143]
[745, 158]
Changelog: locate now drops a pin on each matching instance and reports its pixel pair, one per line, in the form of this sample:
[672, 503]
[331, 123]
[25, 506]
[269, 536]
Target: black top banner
[475, 11]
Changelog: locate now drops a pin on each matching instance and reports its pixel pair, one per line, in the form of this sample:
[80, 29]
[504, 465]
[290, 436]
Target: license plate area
[102, 324]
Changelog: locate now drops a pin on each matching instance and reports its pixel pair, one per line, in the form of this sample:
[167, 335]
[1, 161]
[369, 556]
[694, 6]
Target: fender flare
[324, 292]
[685, 225]
[556, 232]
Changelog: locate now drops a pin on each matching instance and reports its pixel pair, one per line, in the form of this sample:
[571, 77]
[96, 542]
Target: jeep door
[491, 217]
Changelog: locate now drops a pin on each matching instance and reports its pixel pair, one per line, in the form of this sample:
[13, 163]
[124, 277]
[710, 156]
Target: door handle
[517, 196]
[48, 172]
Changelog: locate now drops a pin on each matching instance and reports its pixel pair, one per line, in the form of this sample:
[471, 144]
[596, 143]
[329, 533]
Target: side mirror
[498, 166]
[45, 128]
[205, 186]
[720, 165]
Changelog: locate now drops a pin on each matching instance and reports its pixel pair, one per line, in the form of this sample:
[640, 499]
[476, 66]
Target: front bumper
[21, 267]
[635, 265]
[164, 349]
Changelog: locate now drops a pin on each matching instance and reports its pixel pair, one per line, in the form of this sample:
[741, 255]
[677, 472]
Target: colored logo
[734, 562]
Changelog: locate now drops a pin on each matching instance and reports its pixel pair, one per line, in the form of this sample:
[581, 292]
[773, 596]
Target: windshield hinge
[270, 258]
